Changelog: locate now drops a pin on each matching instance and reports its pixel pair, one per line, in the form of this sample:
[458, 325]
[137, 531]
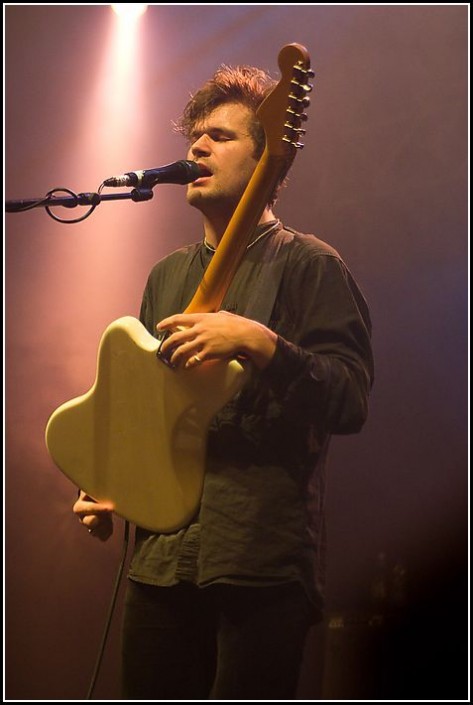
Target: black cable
[77, 202]
[110, 612]
[20, 207]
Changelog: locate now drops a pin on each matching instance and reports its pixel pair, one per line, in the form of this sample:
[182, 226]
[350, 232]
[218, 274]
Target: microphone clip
[141, 194]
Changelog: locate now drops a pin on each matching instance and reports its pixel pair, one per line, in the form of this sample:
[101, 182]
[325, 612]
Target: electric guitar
[137, 438]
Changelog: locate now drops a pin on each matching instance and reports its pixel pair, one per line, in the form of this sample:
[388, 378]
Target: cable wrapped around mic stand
[180, 172]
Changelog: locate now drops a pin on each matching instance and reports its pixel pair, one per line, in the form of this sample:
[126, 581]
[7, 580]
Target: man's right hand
[95, 516]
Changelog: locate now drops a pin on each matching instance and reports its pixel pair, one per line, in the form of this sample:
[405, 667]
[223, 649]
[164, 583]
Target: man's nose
[201, 147]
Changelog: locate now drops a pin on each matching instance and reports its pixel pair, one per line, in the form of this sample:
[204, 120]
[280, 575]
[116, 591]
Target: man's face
[223, 144]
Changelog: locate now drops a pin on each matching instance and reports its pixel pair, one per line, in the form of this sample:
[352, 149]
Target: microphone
[181, 172]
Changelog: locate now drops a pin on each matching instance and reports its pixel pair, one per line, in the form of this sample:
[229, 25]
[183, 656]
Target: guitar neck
[280, 114]
[236, 238]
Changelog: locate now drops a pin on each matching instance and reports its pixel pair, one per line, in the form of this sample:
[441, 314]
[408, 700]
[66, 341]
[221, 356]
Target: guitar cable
[110, 612]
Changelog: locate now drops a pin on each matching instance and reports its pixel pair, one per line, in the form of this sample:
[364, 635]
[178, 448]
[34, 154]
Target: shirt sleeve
[146, 311]
[326, 371]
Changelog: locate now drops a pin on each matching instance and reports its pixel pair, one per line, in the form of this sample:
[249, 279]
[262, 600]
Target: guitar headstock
[282, 112]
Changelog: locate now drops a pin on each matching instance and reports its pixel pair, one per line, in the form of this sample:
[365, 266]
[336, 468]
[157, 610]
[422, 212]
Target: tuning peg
[306, 87]
[298, 116]
[297, 145]
[305, 101]
[308, 72]
[297, 130]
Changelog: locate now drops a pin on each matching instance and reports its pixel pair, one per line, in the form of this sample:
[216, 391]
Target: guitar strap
[261, 304]
[262, 300]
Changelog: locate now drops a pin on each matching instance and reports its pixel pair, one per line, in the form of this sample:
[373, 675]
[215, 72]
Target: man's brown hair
[240, 84]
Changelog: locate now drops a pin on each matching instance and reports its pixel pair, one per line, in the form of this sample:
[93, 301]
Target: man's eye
[214, 136]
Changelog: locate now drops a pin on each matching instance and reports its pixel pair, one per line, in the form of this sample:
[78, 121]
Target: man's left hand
[197, 337]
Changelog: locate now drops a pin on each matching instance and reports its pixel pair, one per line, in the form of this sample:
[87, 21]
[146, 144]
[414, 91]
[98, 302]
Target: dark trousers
[222, 642]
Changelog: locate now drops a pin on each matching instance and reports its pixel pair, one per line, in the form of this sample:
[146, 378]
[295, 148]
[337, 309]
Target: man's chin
[195, 198]
[210, 204]
[199, 198]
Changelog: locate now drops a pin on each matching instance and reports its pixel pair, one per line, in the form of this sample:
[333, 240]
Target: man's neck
[214, 228]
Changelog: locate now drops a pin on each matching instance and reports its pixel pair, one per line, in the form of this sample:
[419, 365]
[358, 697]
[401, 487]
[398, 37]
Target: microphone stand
[75, 199]
[80, 199]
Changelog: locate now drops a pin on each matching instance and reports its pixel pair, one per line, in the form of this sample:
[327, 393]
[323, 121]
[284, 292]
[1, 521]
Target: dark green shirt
[261, 519]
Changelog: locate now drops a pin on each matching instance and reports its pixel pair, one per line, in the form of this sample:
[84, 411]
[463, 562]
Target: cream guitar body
[139, 435]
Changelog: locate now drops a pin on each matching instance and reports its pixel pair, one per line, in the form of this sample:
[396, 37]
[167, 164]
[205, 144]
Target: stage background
[382, 178]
